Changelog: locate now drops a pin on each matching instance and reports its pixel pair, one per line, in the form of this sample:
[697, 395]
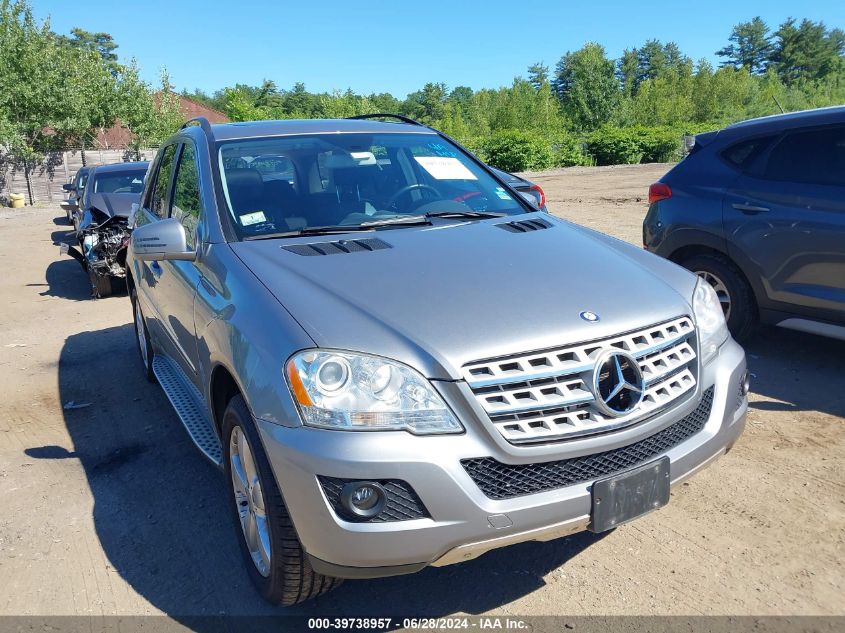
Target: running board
[186, 402]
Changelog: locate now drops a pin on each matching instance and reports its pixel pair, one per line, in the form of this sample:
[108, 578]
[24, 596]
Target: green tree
[149, 116]
[538, 75]
[101, 43]
[38, 110]
[241, 106]
[627, 69]
[750, 47]
[426, 105]
[586, 86]
[807, 51]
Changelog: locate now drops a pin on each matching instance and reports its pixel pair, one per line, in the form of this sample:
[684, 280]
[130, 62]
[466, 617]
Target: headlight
[357, 392]
[712, 329]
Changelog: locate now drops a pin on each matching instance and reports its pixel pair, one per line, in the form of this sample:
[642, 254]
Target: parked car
[758, 210]
[393, 373]
[74, 189]
[101, 224]
[530, 191]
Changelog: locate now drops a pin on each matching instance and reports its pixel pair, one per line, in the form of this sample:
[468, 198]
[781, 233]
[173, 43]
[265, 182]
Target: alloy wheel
[249, 500]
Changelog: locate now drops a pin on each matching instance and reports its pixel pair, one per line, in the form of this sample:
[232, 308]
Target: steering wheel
[407, 189]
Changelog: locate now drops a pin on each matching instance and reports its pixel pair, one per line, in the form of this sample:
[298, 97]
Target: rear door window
[811, 156]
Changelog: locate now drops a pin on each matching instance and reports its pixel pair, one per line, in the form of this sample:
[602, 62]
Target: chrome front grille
[546, 396]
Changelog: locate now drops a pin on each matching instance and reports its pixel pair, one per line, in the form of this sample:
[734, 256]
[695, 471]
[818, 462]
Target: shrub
[476, 145]
[660, 145]
[513, 150]
[568, 151]
[617, 146]
[614, 146]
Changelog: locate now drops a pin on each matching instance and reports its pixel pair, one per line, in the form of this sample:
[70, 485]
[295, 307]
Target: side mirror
[68, 186]
[161, 241]
[529, 199]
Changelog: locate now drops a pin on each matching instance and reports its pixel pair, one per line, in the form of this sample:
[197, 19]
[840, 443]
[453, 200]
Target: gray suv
[399, 361]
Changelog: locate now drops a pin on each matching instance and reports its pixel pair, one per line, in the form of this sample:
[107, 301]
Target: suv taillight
[538, 193]
[658, 191]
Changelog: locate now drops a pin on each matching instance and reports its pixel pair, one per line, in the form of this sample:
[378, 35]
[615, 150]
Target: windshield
[293, 183]
[120, 182]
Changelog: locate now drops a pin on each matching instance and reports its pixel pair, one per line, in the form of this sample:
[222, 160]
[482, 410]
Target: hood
[442, 296]
[114, 204]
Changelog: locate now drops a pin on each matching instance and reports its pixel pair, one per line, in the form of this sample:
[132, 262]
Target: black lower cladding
[503, 481]
[402, 503]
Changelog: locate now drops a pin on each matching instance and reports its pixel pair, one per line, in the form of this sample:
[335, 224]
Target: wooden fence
[57, 169]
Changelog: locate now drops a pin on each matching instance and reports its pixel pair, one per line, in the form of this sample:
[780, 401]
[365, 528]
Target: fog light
[746, 383]
[363, 498]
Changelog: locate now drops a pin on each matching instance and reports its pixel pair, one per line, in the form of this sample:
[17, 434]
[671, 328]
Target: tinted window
[815, 156]
[186, 193]
[741, 155]
[158, 205]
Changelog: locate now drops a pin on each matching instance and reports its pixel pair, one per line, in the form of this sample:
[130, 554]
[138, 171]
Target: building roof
[118, 136]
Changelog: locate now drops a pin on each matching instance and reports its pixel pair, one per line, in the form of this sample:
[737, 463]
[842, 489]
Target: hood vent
[338, 248]
[525, 226]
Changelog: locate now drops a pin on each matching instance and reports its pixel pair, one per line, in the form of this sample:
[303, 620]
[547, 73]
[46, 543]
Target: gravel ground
[108, 508]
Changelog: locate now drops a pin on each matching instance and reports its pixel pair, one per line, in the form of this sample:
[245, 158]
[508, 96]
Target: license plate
[624, 497]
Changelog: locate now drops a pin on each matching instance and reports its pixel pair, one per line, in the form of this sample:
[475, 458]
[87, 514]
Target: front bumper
[465, 523]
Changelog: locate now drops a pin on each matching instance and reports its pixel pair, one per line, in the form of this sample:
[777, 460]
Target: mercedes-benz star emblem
[592, 317]
[618, 383]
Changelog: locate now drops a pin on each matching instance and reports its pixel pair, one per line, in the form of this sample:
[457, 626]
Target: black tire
[101, 285]
[290, 578]
[742, 319]
[146, 354]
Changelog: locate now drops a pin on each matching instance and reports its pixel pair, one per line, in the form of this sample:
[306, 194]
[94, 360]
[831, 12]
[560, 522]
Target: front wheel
[735, 295]
[274, 557]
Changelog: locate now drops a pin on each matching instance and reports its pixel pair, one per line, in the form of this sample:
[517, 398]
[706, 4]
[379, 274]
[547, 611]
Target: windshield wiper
[398, 219]
[339, 228]
[465, 214]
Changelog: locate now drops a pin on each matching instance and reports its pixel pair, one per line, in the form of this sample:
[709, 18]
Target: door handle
[749, 209]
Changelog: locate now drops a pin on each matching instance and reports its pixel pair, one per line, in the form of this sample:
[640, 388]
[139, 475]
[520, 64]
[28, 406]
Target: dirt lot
[108, 508]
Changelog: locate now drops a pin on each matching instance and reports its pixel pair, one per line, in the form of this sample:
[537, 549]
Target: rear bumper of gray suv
[462, 522]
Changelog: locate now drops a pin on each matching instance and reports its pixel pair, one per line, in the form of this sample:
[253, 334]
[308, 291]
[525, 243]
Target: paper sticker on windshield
[253, 218]
[445, 168]
[503, 195]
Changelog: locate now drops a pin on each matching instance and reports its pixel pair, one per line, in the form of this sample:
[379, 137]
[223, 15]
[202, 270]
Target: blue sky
[398, 46]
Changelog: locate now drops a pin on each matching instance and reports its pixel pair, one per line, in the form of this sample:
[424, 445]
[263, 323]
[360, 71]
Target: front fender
[241, 327]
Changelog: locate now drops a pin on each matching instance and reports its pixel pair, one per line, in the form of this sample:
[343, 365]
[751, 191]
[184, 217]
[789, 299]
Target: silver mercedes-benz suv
[399, 361]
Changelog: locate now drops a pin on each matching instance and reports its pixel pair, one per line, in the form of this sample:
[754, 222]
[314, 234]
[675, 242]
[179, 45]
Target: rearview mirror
[161, 241]
[68, 186]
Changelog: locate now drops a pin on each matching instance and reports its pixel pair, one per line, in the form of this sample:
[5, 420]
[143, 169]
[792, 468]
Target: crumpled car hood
[446, 295]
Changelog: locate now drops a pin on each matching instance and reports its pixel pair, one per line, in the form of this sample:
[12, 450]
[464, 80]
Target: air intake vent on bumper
[525, 226]
[338, 248]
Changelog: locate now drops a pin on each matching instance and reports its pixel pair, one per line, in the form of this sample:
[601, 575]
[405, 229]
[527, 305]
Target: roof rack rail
[201, 122]
[387, 115]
